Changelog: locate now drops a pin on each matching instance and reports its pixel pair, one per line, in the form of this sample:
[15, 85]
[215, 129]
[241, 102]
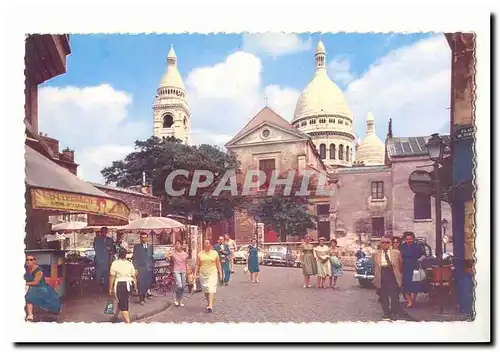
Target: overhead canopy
[155, 224]
[55, 189]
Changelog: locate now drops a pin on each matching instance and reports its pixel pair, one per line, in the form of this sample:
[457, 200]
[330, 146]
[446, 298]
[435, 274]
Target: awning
[55, 189]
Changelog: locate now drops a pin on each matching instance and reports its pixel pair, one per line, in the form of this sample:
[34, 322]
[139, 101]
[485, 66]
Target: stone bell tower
[172, 117]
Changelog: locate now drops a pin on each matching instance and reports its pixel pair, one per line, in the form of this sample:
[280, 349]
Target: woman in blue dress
[253, 261]
[412, 255]
[38, 293]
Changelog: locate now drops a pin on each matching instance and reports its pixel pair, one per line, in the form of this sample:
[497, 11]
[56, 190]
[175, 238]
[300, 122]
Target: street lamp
[435, 148]
[444, 225]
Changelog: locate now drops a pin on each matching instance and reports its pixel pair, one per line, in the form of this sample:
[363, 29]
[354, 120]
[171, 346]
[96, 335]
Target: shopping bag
[245, 270]
[109, 309]
[419, 275]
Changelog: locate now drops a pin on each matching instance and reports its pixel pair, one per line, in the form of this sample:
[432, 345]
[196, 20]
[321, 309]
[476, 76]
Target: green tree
[159, 157]
[287, 214]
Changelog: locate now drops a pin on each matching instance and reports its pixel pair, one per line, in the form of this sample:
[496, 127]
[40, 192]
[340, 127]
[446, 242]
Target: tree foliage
[287, 214]
[159, 157]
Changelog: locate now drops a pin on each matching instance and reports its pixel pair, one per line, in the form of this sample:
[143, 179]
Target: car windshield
[243, 248]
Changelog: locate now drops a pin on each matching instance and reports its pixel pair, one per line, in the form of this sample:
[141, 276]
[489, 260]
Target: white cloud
[224, 97]
[282, 100]
[275, 43]
[339, 70]
[411, 85]
[93, 121]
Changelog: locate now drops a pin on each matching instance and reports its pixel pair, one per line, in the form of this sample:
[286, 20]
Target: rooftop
[122, 190]
[411, 146]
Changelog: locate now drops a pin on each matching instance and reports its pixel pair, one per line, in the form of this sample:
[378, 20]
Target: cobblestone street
[279, 297]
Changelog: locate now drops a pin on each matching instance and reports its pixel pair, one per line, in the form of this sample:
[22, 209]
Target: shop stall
[53, 190]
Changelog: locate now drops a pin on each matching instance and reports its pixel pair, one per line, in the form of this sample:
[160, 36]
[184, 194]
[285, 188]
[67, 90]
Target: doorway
[378, 227]
[324, 230]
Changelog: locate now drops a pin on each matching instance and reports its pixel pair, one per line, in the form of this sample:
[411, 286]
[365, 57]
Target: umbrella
[155, 224]
[69, 226]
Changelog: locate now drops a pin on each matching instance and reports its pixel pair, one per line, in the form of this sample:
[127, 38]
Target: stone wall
[402, 195]
[353, 198]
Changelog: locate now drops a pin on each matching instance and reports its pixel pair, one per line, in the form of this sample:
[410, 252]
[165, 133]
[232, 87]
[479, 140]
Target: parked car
[279, 255]
[84, 256]
[240, 256]
[365, 271]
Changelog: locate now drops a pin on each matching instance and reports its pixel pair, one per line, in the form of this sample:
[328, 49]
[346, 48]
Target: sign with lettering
[464, 132]
[71, 202]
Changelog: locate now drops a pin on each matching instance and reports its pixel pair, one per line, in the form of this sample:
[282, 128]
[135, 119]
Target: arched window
[347, 153]
[322, 151]
[168, 121]
[332, 151]
[341, 152]
[421, 207]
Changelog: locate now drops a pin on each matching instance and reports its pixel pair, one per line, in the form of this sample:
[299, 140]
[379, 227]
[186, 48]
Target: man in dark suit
[143, 263]
[388, 265]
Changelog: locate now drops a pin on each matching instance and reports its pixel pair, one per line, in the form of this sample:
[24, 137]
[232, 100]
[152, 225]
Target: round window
[266, 133]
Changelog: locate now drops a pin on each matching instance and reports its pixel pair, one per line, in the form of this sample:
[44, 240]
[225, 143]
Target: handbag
[336, 262]
[109, 308]
[419, 274]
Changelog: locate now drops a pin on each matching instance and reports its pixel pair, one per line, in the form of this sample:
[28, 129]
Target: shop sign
[70, 202]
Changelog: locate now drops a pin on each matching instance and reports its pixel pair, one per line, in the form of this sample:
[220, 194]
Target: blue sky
[104, 102]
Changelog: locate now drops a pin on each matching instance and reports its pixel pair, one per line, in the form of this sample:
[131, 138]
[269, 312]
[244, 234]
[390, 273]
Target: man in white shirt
[388, 266]
[232, 247]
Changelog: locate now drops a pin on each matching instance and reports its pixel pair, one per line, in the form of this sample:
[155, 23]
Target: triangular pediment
[252, 132]
[267, 133]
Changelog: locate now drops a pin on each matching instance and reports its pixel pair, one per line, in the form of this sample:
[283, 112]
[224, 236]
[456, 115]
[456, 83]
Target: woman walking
[38, 293]
[121, 280]
[307, 260]
[336, 263]
[412, 255]
[179, 259]
[322, 253]
[253, 261]
[209, 269]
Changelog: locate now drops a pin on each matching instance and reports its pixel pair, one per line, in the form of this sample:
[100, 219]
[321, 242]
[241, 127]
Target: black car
[279, 255]
[365, 271]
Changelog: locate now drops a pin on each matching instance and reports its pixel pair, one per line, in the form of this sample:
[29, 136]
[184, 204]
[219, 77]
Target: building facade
[462, 191]
[269, 143]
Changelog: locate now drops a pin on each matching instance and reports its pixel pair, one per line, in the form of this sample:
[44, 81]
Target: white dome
[172, 78]
[371, 151]
[321, 96]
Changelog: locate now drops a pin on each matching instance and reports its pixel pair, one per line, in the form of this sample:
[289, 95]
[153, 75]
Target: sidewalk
[427, 311]
[90, 308]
